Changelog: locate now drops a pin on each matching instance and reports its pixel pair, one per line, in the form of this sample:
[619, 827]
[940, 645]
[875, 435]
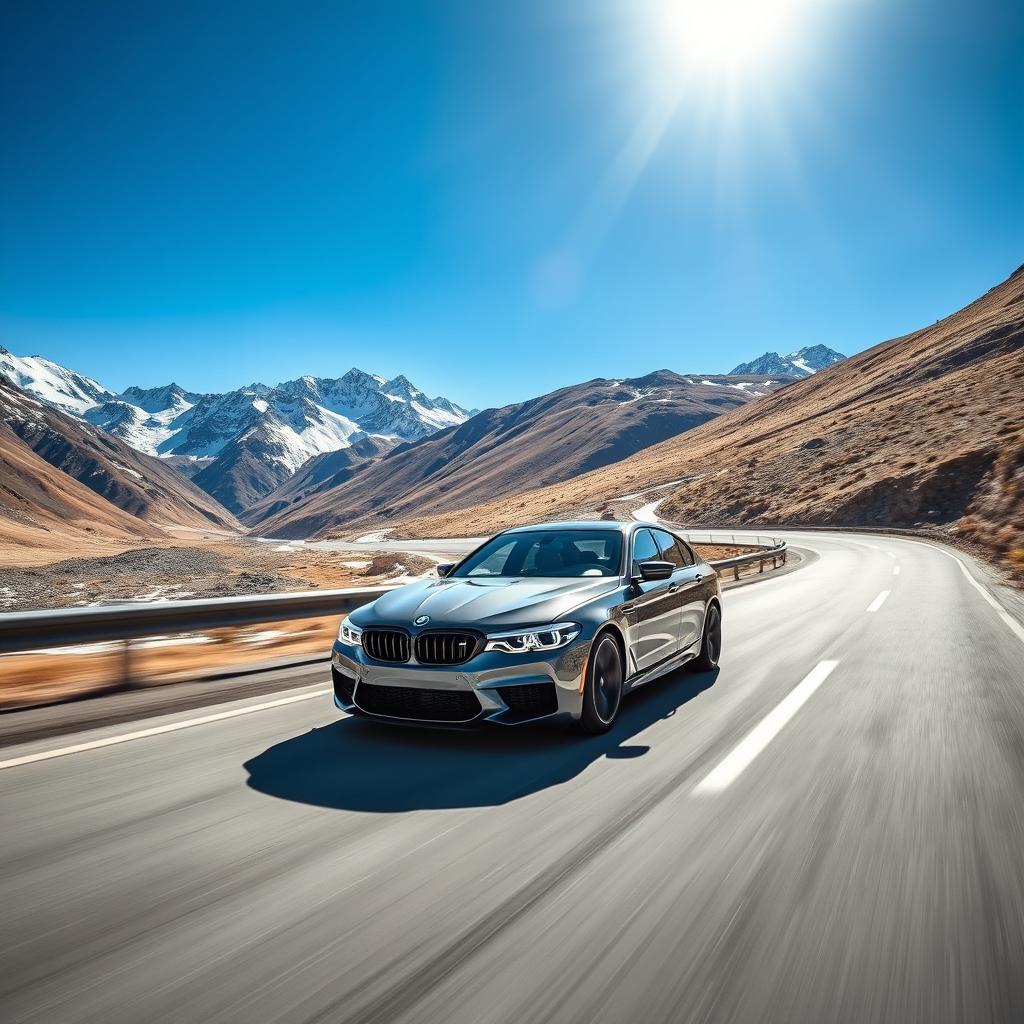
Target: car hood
[486, 604]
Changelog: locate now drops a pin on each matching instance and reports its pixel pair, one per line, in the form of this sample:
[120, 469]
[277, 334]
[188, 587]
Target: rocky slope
[514, 448]
[320, 474]
[44, 513]
[136, 484]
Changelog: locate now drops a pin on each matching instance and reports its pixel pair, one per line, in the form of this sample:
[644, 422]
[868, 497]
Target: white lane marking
[878, 601]
[764, 732]
[895, 570]
[158, 730]
[1015, 627]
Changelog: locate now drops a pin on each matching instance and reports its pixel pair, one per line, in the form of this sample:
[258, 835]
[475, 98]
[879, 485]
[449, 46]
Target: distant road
[830, 830]
[439, 550]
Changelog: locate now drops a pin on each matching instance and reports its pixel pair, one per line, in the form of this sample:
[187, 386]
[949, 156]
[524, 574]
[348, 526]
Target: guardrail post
[126, 664]
[760, 566]
[735, 572]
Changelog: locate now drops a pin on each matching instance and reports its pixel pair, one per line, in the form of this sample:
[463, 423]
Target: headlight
[349, 633]
[540, 638]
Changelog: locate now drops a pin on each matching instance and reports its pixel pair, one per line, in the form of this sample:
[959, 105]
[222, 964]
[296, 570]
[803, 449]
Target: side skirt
[670, 664]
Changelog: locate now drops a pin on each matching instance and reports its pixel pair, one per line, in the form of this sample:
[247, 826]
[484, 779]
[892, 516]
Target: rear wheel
[711, 642]
[602, 690]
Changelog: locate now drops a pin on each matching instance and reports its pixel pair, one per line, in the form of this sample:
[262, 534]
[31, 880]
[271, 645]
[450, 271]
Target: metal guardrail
[28, 631]
[770, 549]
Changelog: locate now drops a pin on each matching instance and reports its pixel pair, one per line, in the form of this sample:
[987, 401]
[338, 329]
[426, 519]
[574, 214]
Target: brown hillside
[508, 450]
[138, 484]
[927, 429]
[42, 510]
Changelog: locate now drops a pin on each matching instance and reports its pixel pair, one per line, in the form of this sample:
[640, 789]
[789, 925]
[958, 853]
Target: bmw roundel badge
[421, 620]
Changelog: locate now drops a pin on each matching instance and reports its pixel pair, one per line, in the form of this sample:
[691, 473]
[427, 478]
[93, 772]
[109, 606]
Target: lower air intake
[343, 686]
[420, 705]
[531, 700]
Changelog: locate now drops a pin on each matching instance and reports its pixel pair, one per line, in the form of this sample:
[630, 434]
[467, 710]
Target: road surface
[829, 829]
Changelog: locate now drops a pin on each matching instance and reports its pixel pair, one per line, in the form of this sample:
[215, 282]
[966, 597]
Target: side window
[668, 549]
[689, 558]
[644, 548]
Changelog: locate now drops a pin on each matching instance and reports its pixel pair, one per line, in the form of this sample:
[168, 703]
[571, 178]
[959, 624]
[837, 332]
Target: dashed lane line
[733, 764]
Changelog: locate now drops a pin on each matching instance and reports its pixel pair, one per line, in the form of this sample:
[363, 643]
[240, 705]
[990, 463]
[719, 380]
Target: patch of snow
[375, 537]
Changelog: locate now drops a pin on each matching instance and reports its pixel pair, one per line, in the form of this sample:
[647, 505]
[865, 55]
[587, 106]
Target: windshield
[547, 553]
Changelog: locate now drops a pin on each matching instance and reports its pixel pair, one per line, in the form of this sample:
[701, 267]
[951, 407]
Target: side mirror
[656, 570]
[443, 568]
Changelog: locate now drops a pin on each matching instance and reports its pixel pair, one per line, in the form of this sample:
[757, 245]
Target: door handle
[673, 587]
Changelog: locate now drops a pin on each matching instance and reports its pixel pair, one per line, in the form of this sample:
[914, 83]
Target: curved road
[830, 829]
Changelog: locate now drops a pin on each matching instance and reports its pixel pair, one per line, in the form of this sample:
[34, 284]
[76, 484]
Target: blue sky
[495, 199]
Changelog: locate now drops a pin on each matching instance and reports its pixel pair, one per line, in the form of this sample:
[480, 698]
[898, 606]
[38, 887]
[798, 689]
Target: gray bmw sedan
[559, 619]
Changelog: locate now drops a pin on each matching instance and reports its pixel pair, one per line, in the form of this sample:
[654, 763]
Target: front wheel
[711, 642]
[602, 689]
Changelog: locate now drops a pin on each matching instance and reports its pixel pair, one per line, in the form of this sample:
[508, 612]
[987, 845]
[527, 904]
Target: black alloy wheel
[711, 643]
[602, 692]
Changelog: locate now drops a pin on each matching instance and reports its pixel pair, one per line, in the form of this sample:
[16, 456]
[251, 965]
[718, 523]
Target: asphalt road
[831, 828]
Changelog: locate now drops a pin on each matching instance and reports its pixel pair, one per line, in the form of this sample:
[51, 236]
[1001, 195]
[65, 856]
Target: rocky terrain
[227, 568]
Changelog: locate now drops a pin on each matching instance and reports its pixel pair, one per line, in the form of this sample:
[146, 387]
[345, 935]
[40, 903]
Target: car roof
[584, 524]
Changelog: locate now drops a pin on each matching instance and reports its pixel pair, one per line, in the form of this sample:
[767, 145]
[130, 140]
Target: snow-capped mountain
[52, 383]
[145, 418]
[801, 363]
[269, 431]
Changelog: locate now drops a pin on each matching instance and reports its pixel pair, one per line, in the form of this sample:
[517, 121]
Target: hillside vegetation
[923, 430]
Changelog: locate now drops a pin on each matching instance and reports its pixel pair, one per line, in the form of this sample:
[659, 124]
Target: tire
[602, 691]
[711, 642]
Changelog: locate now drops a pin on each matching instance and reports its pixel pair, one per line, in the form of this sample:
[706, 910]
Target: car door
[691, 589]
[652, 612]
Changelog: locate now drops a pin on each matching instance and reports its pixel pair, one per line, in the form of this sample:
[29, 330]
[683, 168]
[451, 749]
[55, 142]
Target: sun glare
[728, 35]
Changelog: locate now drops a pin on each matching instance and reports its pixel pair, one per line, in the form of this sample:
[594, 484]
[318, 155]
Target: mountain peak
[801, 363]
[355, 375]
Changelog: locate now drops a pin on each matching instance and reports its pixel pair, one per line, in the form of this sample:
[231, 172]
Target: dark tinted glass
[669, 549]
[644, 548]
[547, 553]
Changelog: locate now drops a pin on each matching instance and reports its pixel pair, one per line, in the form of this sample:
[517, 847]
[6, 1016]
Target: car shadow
[359, 765]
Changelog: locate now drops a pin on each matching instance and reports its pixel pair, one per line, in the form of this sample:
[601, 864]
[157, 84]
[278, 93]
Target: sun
[731, 36]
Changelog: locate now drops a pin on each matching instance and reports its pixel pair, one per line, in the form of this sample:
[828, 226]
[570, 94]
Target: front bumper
[492, 687]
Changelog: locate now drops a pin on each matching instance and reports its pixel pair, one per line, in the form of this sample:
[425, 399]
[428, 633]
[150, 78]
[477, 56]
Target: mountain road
[828, 828]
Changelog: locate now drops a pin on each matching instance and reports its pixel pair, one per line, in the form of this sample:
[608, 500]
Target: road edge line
[158, 730]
